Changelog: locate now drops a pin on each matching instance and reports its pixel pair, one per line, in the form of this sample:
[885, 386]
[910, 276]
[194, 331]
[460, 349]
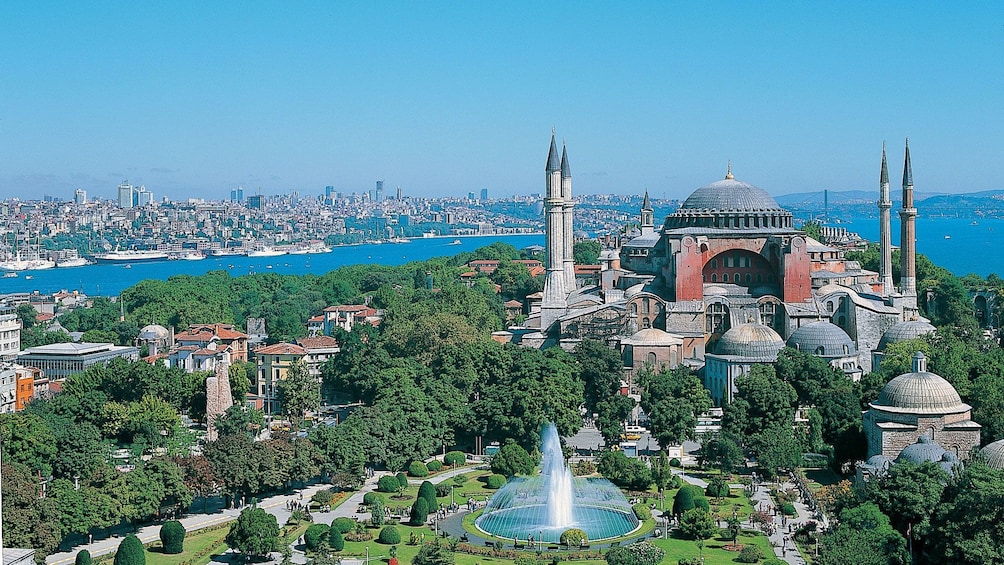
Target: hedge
[496, 481]
[371, 498]
[454, 458]
[750, 554]
[335, 539]
[83, 558]
[130, 551]
[419, 512]
[418, 469]
[435, 466]
[313, 536]
[389, 535]
[344, 524]
[402, 480]
[642, 511]
[788, 509]
[388, 483]
[172, 537]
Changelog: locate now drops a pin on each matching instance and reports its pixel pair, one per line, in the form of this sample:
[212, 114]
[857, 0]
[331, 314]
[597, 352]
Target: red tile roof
[281, 349]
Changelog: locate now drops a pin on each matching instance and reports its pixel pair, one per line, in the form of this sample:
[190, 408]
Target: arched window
[645, 305]
[645, 323]
[634, 308]
[846, 350]
[651, 358]
[714, 277]
[714, 263]
[735, 278]
[749, 278]
[716, 318]
[820, 350]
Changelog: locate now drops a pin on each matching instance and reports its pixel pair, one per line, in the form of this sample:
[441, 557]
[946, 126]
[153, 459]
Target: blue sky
[193, 98]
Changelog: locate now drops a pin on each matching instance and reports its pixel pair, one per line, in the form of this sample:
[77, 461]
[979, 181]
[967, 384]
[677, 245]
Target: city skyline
[448, 99]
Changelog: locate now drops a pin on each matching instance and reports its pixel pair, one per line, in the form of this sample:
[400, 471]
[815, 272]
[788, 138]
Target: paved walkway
[275, 505]
[781, 540]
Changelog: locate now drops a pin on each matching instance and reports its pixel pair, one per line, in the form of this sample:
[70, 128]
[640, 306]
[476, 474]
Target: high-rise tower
[553, 302]
[908, 237]
[885, 229]
[567, 207]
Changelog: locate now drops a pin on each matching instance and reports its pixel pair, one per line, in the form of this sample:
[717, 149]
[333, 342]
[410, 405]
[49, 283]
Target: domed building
[920, 404]
[827, 341]
[738, 349]
[653, 348]
[157, 338]
[903, 331]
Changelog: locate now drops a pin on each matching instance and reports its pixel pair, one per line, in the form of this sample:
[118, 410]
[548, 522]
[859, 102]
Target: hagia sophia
[727, 281]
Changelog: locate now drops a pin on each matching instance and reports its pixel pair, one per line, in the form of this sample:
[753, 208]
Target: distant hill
[986, 203]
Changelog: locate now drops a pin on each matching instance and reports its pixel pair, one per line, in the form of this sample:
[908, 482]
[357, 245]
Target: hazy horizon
[443, 99]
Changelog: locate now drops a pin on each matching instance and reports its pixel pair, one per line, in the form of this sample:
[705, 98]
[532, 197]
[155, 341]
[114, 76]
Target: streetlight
[540, 536]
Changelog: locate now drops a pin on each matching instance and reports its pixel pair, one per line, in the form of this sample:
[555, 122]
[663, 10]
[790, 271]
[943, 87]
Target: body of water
[961, 245]
[109, 279]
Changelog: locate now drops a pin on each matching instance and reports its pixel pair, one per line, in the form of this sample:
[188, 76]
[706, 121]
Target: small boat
[456, 242]
[127, 266]
[10, 275]
[948, 237]
[29, 277]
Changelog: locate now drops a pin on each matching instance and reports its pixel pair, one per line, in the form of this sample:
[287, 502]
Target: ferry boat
[191, 256]
[73, 262]
[266, 251]
[130, 256]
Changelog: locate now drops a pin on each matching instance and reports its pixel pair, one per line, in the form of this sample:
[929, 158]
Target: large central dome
[730, 205]
[730, 195]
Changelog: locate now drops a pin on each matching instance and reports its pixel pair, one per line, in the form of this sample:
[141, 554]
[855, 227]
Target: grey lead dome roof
[920, 393]
[751, 340]
[822, 338]
[904, 331]
[731, 195]
[993, 454]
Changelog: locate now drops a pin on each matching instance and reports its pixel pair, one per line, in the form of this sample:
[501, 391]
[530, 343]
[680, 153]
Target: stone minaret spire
[567, 207]
[647, 216]
[885, 229]
[908, 237]
[553, 302]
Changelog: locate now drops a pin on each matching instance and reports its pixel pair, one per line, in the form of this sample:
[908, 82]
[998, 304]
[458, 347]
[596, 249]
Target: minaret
[885, 229]
[647, 216]
[568, 235]
[553, 303]
[908, 237]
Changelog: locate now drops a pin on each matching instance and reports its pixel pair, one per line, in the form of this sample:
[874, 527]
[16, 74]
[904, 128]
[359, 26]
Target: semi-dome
[920, 392]
[824, 339]
[904, 331]
[751, 340]
[730, 204]
[993, 454]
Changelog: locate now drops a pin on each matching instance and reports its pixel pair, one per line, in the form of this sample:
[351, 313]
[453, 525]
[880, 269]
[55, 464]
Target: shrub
[389, 535]
[130, 551]
[419, 512]
[335, 540]
[371, 498]
[683, 501]
[172, 537]
[83, 558]
[694, 561]
[418, 469]
[717, 488]
[443, 490]
[459, 480]
[750, 554]
[428, 492]
[573, 537]
[402, 480]
[322, 496]
[387, 483]
[344, 525]
[774, 561]
[435, 466]
[455, 458]
[376, 514]
[702, 503]
[640, 553]
[496, 481]
[314, 535]
[674, 462]
[788, 509]
[642, 511]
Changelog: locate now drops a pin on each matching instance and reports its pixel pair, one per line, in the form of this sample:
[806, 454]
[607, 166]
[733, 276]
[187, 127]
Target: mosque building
[727, 280]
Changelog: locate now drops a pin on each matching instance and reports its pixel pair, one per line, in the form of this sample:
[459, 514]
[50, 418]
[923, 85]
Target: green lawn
[677, 549]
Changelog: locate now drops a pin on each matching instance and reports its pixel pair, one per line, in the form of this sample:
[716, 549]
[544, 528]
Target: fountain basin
[524, 521]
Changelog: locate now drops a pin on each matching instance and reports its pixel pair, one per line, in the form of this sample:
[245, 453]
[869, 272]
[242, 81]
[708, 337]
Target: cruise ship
[130, 256]
[266, 251]
[18, 264]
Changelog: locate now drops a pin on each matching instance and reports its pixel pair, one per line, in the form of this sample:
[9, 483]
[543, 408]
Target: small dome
[651, 337]
[731, 195]
[993, 454]
[904, 331]
[922, 451]
[920, 392]
[751, 340]
[823, 339]
[154, 332]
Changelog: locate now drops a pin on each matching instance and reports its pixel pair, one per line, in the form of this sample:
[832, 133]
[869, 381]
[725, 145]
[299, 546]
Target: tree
[240, 419]
[776, 448]
[662, 473]
[433, 554]
[909, 494]
[601, 369]
[335, 540]
[586, 252]
[762, 401]
[718, 487]
[511, 460]
[721, 450]
[172, 537]
[428, 491]
[968, 526]
[624, 471]
[684, 501]
[697, 524]
[83, 557]
[315, 534]
[255, 533]
[130, 551]
[389, 535]
[299, 392]
[863, 535]
[419, 511]
[673, 399]
[611, 415]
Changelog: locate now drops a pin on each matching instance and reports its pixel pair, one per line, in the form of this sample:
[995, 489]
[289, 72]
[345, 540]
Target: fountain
[546, 505]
